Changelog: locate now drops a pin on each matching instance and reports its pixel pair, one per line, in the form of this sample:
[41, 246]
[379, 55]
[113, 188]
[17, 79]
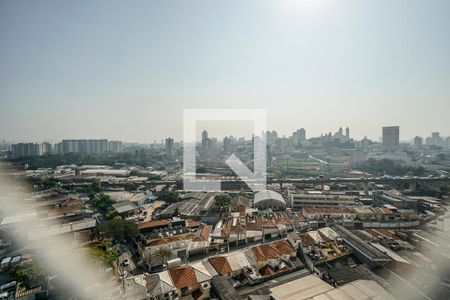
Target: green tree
[168, 196]
[96, 186]
[119, 228]
[111, 214]
[49, 183]
[444, 189]
[176, 212]
[29, 274]
[130, 186]
[134, 173]
[154, 177]
[222, 201]
[103, 202]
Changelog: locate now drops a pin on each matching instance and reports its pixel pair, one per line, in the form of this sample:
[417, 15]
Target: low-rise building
[269, 199]
[300, 200]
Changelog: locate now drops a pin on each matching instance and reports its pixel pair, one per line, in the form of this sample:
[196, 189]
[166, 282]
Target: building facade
[391, 137]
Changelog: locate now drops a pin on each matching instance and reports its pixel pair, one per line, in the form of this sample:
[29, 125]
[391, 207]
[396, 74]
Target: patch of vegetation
[119, 229]
[103, 252]
[29, 274]
[168, 196]
[390, 167]
[223, 201]
[103, 203]
[143, 157]
[96, 186]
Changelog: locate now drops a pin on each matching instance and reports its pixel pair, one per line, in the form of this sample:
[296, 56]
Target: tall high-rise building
[169, 147]
[24, 150]
[271, 137]
[206, 143]
[347, 133]
[435, 140]
[391, 137]
[418, 141]
[447, 143]
[114, 146]
[84, 146]
[298, 137]
[227, 144]
[45, 148]
[204, 135]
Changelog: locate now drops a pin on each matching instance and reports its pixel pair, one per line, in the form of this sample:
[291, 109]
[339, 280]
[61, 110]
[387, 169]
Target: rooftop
[125, 206]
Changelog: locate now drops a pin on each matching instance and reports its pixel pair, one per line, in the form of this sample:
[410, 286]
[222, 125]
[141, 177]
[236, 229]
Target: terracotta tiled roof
[300, 217]
[221, 264]
[284, 246]
[265, 252]
[183, 276]
[267, 271]
[282, 218]
[192, 223]
[238, 230]
[154, 223]
[306, 240]
[387, 211]
[250, 225]
[203, 233]
[272, 250]
[263, 222]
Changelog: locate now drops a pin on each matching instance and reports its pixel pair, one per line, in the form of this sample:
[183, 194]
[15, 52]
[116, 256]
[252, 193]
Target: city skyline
[127, 72]
[240, 149]
[213, 135]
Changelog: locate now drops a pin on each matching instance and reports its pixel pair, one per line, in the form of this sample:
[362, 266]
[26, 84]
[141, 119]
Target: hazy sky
[127, 69]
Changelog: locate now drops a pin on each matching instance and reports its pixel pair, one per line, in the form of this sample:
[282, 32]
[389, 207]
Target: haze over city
[120, 71]
[232, 150]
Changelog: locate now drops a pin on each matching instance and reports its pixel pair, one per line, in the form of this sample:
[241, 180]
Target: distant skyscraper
[447, 143]
[347, 133]
[204, 135]
[391, 137]
[436, 140]
[114, 146]
[45, 148]
[418, 141]
[84, 146]
[298, 137]
[302, 134]
[206, 143]
[24, 150]
[227, 145]
[169, 147]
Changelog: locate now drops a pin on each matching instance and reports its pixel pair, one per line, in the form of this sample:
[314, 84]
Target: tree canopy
[103, 202]
[223, 201]
[29, 274]
[168, 196]
[119, 228]
[390, 167]
[96, 186]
